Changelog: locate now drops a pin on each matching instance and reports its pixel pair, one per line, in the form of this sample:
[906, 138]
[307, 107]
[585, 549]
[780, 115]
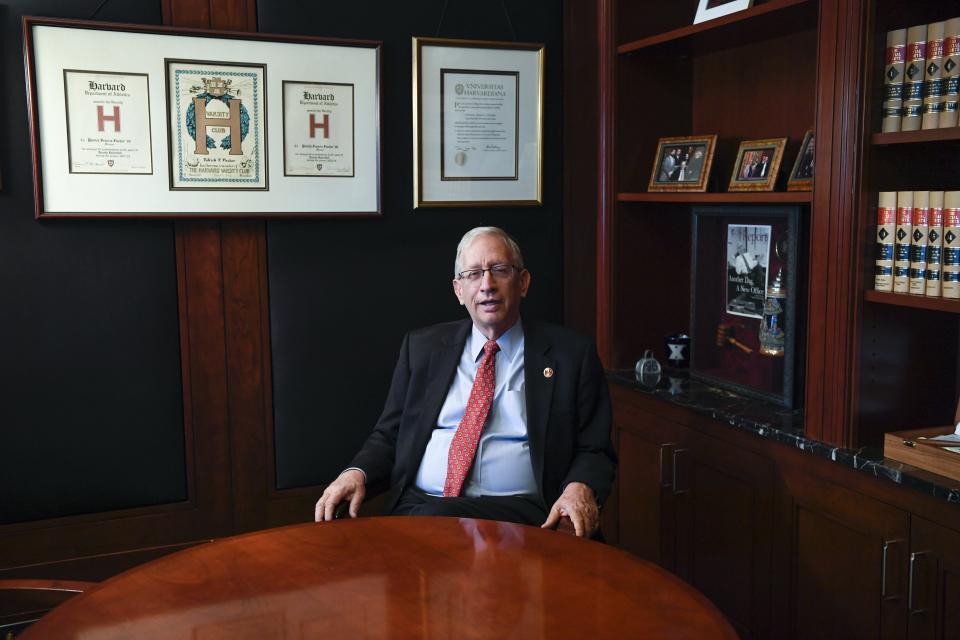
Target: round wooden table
[395, 577]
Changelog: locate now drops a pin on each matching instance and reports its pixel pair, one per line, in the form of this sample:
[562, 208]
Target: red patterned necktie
[465, 440]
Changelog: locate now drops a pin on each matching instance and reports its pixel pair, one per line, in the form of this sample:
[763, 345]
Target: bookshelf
[749, 75]
[776, 197]
[906, 359]
[913, 302]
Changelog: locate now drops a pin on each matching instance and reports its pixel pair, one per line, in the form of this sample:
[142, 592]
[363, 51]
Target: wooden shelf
[916, 302]
[757, 23]
[914, 137]
[747, 197]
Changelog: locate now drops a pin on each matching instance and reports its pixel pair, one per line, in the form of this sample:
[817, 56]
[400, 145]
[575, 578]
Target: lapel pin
[548, 373]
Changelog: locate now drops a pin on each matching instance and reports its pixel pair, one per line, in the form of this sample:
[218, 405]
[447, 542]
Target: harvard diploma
[318, 137]
[108, 122]
[478, 129]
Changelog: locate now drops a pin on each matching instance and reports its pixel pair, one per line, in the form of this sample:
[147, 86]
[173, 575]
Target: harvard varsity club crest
[200, 112]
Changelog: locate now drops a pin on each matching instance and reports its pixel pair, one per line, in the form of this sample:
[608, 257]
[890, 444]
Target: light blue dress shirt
[502, 465]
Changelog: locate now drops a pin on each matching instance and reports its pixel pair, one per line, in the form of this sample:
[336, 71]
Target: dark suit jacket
[568, 414]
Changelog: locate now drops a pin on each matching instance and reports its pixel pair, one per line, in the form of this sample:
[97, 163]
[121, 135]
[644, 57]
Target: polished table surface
[395, 577]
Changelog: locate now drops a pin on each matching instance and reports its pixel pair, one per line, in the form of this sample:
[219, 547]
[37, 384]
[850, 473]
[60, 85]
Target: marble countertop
[785, 426]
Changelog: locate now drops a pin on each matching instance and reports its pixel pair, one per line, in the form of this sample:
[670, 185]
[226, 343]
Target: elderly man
[492, 417]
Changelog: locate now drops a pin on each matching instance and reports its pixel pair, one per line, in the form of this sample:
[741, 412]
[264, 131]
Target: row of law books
[921, 77]
[918, 243]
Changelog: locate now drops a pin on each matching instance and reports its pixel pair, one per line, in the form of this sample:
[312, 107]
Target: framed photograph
[477, 123]
[190, 123]
[711, 9]
[757, 165]
[683, 163]
[217, 125]
[801, 176]
[744, 296]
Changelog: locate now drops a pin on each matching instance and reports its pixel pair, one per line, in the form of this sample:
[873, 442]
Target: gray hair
[476, 232]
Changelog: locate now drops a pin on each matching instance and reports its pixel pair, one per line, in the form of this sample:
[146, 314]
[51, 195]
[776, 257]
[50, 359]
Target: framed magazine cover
[744, 300]
[135, 121]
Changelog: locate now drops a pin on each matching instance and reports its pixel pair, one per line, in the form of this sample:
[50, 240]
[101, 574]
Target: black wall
[91, 415]
[91, 408]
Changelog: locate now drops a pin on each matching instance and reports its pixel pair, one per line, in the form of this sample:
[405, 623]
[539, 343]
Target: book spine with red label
[886, 227]
[934, 245]
[893, 80]
[933, 77]
[914, 70]
[901, 250]
[918, 243]
[951, 73]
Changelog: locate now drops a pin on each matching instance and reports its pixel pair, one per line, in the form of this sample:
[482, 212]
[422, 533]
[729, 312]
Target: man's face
[493, 304]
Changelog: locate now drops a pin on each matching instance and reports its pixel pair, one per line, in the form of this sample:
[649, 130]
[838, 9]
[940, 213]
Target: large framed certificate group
[478, 123]
[146, 122]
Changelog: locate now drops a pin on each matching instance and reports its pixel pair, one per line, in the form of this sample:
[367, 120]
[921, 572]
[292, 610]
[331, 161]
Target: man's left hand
[578, 503]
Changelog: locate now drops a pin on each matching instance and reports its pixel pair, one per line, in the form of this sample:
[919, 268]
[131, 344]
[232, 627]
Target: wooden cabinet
[702, 509]
[933, 591]
[848, 573]
[787, 545]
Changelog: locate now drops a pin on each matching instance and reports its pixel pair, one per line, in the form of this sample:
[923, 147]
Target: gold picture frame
[682, 163]
[757, 165]
[801, 176]
[477, 123]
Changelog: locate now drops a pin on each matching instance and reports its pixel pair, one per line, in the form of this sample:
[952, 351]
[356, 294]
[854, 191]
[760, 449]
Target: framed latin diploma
[217, 128]
[318, 135]
[108, 122]
[478, 122]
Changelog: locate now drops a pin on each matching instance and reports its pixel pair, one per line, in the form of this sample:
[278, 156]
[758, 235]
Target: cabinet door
[724, 526]
[933, 592]
[849, 562]
[641, 495]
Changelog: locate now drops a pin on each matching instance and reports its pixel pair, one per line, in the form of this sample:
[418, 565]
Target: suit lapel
[539, 393]
[443, 364]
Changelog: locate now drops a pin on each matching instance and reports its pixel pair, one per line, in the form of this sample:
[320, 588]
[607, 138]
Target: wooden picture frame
[712, 9]
[801, 176]
[715, 278]
[757, 165]
[682, 163]
[477, 123]
[137, 121]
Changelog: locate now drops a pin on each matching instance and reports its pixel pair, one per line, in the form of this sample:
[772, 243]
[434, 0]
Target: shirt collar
[510, 342]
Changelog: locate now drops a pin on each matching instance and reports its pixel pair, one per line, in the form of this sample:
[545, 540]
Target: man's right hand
[349, 485]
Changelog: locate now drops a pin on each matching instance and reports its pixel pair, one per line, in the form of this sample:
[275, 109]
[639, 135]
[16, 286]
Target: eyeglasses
[498, 271]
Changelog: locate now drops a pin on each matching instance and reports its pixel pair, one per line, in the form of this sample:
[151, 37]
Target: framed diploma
[190, 123]
[478, 123]
[218, 125]
[318, 136]
[108, 122]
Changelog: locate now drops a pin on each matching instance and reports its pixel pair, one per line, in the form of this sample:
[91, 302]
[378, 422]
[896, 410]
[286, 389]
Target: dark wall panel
[344, 292]
[91, 409]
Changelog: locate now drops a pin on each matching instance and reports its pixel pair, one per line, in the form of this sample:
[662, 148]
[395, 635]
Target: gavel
[725, 336]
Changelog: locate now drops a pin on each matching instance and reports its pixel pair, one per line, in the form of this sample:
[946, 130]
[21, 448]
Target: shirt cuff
[356, 469]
